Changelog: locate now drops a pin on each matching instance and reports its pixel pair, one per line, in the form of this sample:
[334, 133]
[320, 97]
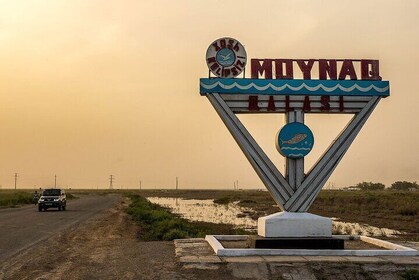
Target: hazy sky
[93, 88]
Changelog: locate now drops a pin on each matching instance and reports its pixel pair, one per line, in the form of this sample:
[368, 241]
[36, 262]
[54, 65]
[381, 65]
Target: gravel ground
[102, 248]
[106, 247]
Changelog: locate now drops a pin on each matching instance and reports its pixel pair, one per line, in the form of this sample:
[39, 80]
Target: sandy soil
[102, 248]
[106, 247]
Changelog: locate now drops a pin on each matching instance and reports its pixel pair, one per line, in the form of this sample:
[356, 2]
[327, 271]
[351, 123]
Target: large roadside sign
[293, 87]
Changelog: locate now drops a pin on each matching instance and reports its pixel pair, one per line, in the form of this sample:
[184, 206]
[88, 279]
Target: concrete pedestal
[290, 224]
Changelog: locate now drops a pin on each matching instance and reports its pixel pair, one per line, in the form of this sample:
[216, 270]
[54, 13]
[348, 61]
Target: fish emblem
[296, 139]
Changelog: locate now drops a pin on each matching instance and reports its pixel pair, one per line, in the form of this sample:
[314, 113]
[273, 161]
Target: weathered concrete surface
[197, 254]
[371, 247]
[289, 224]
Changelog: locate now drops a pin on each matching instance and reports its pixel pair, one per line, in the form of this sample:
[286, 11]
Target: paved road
[23, 227]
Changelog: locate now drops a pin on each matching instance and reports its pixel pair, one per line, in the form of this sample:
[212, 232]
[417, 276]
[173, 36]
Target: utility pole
[177, 183]
[234, 184]
[111, 179]
[140, 184]
[16, 175]
[55, 181]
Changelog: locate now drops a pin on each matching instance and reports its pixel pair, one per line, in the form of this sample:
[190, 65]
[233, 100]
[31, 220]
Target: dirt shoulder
[106, 247]
[102, 248]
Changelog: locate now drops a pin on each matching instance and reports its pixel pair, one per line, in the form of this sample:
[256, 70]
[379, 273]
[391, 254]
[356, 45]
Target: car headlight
[41, 199]
[56, 199]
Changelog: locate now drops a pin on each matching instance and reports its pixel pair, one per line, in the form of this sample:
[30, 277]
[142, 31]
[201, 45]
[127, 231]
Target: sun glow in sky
[93, 88]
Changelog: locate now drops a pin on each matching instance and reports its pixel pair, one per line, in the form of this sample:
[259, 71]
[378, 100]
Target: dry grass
[384, 209]
[12, 198]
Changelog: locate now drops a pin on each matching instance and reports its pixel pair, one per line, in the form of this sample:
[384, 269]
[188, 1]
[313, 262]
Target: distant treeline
[397, 186]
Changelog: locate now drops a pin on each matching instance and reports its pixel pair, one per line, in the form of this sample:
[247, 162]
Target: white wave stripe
[303, 85]
[295, 155]
[295, 149]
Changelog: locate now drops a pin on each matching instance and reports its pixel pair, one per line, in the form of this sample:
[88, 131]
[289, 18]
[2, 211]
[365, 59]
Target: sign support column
[294, 167]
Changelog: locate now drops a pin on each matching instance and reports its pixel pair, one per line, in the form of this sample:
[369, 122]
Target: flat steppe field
[396, 210]
[105, 244]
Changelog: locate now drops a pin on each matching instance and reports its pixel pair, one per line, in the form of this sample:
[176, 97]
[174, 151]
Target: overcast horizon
[94, 88]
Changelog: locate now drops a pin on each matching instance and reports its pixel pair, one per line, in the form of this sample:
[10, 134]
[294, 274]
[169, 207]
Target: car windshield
[52, 192]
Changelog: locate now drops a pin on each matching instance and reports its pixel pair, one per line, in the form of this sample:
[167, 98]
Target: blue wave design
[295, 149]
[289, 87]
[296, 155]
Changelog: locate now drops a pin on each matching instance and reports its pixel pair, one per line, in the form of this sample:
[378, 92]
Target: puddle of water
[355, 228]
[208, 211]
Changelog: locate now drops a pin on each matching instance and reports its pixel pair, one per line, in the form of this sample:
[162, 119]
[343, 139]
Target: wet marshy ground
[243, 217]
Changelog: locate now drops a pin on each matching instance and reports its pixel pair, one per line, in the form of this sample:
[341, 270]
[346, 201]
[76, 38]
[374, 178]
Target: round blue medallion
[295, 140]
[225, 57]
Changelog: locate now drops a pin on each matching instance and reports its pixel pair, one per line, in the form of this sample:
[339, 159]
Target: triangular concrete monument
[330, 94]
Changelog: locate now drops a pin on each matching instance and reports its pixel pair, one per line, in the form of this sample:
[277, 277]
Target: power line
[111, 179]
[16, 175]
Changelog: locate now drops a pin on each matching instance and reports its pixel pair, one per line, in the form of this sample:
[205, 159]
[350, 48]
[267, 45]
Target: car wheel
[59, 207]
[39, 208]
